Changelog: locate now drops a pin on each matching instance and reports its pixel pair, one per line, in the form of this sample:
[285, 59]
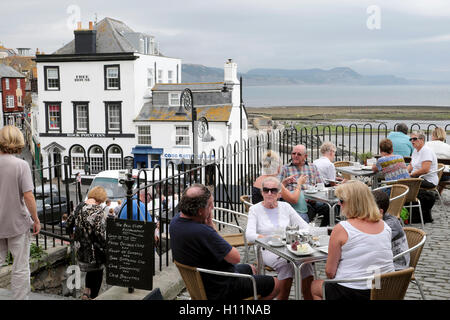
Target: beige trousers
[19, 246]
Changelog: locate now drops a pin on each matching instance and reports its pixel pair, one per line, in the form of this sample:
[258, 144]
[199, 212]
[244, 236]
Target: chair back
[192, 280]
[338, 164]
[392, 285]
[414, 237]
[247, 201]
[441, 168]
[413, 184]
[397, 199]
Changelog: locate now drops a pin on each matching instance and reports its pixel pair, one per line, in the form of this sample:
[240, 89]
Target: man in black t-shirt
[195, 242]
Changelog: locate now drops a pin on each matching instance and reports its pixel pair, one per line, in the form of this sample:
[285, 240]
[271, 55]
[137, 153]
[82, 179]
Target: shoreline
[352, 112]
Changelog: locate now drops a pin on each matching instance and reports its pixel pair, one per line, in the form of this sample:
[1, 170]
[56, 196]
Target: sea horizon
[346, 95]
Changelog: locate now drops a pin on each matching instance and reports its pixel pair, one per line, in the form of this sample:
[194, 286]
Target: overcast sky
[407, 38]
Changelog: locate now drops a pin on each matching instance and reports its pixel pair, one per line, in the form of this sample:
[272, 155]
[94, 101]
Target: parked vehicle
[49, 215]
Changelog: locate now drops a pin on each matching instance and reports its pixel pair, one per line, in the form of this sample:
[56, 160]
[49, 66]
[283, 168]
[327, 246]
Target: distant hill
[341, 75]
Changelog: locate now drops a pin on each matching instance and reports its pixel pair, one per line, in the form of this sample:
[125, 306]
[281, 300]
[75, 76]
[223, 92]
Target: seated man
[195, 242]
[399, 241]
[299, 166]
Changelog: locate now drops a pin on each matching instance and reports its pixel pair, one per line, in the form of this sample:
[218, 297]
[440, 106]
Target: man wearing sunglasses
[299, 166]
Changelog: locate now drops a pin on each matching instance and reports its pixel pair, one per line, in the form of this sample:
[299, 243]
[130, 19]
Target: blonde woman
[16, 196]
[358, 247]
[87, 225]
[270, 168]
[438, 145]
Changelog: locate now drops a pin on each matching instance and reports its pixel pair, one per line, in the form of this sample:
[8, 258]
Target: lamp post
[187, 103]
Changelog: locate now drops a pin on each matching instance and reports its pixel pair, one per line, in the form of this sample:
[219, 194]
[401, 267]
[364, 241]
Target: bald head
[194, 198]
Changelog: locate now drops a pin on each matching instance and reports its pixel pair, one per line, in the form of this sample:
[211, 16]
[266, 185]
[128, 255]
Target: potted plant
[364, 156]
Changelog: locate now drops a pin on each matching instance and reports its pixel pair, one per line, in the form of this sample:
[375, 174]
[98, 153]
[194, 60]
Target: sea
[346, 95]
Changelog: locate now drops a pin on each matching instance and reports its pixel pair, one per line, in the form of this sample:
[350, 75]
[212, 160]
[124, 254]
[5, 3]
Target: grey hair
[273, 179]
[402, 127]
[270, 163]
[419, 133]
[327, 146]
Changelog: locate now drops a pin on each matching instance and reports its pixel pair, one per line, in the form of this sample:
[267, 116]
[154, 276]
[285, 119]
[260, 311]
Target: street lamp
[224, 91]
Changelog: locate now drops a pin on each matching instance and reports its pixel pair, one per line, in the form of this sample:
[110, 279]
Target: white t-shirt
[326, 168]
[425, 154]
[441, 149]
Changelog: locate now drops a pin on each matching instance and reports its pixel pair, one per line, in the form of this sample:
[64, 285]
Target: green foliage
[364, 156]
[36, 252]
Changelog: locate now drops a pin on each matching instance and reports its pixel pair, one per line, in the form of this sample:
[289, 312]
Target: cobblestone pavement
[433, 269]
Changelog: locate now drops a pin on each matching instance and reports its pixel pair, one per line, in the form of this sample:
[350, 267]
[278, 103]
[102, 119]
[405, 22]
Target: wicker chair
[338, 164]
[413, 184]
[237, 239]
[439, 171]
[247, 201]
[194, 283]
[387, 286]
[416, 240]
[397, 198]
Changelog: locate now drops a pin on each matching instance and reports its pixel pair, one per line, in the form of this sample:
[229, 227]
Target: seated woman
[356, 246]
[392, 166]
[423, 160]
[268, 218]
[270, 168]
[325, 163]
[440, 148]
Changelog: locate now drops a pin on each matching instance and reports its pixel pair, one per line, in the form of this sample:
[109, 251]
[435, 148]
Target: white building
[164, 135]
[92, 89]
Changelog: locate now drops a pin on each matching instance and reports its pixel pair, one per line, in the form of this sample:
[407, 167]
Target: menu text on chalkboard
[130, 253]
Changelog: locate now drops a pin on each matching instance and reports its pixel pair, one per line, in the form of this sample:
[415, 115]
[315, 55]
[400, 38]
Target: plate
[310, 251]
[323, 249]
[279, 244]
[366, 168]
[310, 191]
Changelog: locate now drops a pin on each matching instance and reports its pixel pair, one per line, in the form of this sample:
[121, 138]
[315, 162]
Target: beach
[353, 112]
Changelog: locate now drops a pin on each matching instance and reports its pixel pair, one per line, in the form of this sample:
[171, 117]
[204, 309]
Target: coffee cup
[311, 188]
[321, 186]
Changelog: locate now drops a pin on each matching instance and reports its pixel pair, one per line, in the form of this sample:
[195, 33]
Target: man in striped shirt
[300, 166]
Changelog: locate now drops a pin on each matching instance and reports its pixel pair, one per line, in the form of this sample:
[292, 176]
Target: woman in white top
[270, 217]
[438, 145]
[358, 247]
[423, 160]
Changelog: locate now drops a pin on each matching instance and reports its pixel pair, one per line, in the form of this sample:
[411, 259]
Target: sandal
[86, 296]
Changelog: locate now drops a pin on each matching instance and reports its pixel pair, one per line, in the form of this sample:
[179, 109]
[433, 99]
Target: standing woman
[269, 217]
[16, 196]
[358, 246]
[87, 225]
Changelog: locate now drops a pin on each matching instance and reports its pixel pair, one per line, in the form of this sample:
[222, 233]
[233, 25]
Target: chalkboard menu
[130, 253]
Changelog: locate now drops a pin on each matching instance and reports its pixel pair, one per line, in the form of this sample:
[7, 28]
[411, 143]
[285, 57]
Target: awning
[146, 150]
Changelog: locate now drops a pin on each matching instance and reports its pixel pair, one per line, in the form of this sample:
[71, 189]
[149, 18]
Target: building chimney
[230, 72]
[85, 40]
[79, 25]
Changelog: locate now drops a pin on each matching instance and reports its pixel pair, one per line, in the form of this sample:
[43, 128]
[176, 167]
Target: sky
[406, 38]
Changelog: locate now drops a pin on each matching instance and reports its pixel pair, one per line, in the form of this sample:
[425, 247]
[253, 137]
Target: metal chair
[439, 171]
[416, 240]
[194, 283]
[235, 239]
[397, 198]
[387, 286]
[413, 184]
[338, 164]
[246, 199]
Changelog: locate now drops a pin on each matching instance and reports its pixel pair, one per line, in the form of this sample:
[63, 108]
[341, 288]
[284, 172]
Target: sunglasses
[271, 190]
[413, 139]
[297, 154]
[341, 201]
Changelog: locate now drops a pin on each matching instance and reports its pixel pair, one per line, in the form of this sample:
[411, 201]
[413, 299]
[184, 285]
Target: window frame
[107, 120]
[77, 104]
[187, 136]
[7, 84]
[106, 82]
[177, 104]
[8, 99]
[169, 76]
[150, 72]
[47, 88]
[139, 135]
[47, 116]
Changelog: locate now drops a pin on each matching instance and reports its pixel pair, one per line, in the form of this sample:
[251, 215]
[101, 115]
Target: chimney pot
[79, 25]
[90, 25]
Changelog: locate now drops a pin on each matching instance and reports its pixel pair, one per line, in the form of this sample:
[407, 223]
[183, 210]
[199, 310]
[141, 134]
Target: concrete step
[7, 295]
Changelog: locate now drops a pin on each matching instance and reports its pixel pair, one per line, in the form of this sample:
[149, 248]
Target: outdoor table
[360, 172]
[322, 197]
[297, 261]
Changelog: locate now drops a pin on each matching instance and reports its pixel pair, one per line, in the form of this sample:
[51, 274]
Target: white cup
[311, 188]
[321, 186]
